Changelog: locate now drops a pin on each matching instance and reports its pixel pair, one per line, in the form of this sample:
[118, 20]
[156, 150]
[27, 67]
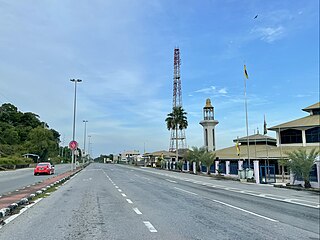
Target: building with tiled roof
[301, 132]
[290, 136]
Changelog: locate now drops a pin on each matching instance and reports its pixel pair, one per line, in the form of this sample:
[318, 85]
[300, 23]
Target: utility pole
[74, 119]
[84, 141]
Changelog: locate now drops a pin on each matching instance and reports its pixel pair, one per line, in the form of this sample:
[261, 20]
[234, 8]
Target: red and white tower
[177, 102]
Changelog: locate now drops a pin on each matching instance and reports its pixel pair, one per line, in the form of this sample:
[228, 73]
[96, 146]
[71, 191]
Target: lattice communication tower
[177, 101]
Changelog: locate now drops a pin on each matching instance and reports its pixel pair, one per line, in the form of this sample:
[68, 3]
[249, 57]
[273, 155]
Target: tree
[16, 128]
[177, 120]
[41, 142]
[208, 158]
[282, 162]
[301, 162]
[194, 155]
[30, 119]
[10, 136]
[9, 113]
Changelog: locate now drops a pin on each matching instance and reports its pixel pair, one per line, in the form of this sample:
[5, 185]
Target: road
[106, 201]
[14, 180]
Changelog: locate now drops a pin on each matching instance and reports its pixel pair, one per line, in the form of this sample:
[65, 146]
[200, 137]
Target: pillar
[217, 166]
[240, 165]
[227, 167]
[256, 171]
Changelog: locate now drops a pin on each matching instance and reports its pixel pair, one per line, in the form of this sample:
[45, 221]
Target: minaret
[208, 123]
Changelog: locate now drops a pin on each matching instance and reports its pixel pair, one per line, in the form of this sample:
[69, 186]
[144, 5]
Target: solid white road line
[243, 210]
[129, 201]
[149, 226]
[137, 211]
[171, 181]
[185, 191]
[9, 219]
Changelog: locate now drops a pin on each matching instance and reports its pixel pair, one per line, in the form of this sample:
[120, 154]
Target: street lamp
[84, 140]
[89, 136]
[74, 118]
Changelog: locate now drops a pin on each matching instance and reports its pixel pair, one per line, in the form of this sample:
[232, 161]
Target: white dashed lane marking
[129, 201]
[150, 226]
[137, 211]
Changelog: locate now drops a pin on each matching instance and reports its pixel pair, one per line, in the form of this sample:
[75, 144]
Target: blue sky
[123, 52]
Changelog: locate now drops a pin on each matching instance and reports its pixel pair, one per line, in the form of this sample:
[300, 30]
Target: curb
[298, 188]
[5, 211]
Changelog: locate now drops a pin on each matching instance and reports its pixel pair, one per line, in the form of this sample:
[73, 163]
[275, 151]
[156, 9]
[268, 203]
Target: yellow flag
[245, 72]
[238, 148]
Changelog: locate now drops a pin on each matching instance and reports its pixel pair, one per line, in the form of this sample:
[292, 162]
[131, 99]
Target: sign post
[73, 145]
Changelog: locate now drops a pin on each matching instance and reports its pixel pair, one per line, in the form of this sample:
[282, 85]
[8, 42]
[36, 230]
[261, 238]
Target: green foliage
[194, 154]
[200, 155]
[29, 119]
[208, 158]
[283, 162]
[41, 142]
[301, 162]
[15, 160]
[177, 119]
[179, 165]
[22, 133]
[10, 136]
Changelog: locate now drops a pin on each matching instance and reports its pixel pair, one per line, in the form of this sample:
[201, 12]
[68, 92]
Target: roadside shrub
[15, 160]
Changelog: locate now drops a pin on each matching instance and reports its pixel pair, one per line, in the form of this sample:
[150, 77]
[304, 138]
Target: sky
[123, 53]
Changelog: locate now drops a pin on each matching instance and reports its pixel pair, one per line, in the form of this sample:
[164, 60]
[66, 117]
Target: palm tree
[201, 155]
[208, 158]
[282, 163]
[194, 155]
[301, 162]
[177, 120]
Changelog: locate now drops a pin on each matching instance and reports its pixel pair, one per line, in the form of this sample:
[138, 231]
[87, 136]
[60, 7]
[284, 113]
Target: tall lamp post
[74, 119]
[84, 140]
[89, 137]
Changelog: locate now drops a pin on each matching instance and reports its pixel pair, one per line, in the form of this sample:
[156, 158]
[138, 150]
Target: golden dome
[208, 103]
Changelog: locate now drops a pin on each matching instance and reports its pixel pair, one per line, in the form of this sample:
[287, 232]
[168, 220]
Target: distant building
[129, 156]
[301, 132]
[266, 151]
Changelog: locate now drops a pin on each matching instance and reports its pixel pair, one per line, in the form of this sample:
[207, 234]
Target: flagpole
[267, 170]
[246, 109]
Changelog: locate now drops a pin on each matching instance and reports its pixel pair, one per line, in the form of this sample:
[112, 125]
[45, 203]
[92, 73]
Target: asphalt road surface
[106, 201]
[14, 180]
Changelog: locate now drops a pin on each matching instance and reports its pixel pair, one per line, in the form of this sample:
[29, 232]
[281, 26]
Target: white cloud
[210, 89]
[223, 91]
[213, 90]
[269, 34]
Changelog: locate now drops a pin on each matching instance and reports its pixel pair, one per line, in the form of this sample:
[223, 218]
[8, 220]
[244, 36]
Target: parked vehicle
[44, 168]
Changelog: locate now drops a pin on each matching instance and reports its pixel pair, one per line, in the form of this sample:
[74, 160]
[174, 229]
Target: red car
[44, 168]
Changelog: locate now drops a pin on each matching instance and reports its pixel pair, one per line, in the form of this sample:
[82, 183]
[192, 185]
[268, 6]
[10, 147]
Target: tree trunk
[177, 148]
[307, 184]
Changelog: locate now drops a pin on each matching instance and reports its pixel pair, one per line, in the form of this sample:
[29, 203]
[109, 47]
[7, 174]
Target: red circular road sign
[73, 145]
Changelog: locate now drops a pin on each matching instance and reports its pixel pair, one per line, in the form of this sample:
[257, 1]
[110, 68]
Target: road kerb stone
[9, 202]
